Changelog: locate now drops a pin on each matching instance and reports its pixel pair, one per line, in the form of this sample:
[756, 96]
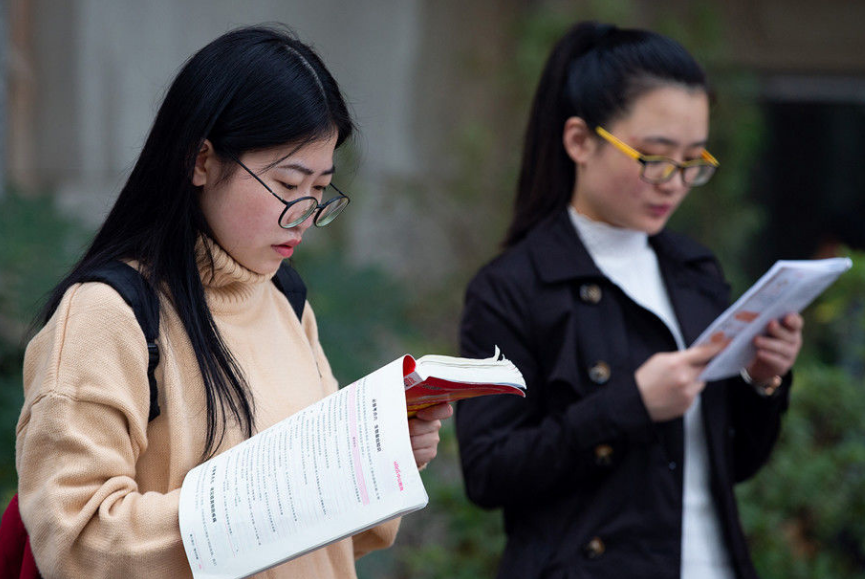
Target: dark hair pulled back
[595, 72]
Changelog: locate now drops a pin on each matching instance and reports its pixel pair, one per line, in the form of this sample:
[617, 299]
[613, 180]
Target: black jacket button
[599, 373]
[590, 293]
[603, 455]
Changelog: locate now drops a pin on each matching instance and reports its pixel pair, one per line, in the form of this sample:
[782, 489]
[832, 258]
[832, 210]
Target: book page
[788, 286]
[494, 370]
[340, 466]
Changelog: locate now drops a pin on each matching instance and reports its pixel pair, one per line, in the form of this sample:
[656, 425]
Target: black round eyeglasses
[299, 210]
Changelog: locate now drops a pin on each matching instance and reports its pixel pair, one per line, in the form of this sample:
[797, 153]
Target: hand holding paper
[669, 381]
[788, 287]
[777, 348]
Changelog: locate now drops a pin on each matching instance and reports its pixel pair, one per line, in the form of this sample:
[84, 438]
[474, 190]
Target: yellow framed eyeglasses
[656, 169]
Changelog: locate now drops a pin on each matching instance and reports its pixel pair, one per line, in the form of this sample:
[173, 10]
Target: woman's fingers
[700, 355]
[794, 322]
[425, 440]
[776, 346]
[778, 331]
[778, 363]
[424, 455]
[417, 426]
[424, 429]
[425, 447]
[788, 328]
[778, 349]
[437, 412]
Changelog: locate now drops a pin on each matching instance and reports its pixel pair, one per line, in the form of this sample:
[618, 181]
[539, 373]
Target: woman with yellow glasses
[658, 169]
[619, 462]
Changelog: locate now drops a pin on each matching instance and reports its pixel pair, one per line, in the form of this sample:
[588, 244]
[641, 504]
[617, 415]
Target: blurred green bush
[38, 245]
[805, 511]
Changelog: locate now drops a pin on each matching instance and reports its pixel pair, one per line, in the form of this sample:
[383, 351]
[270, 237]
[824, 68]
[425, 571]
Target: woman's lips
[660, 210]
[285, 250]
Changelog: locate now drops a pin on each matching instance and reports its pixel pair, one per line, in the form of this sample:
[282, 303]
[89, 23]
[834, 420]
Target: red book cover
[431, 380]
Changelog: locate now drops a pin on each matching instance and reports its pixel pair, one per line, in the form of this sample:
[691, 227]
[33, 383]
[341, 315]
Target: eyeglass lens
[661, 171]
[300, 210]
[332, 208]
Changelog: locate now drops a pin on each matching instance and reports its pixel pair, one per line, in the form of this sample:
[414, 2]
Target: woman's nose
[305, 224]
[674, 184]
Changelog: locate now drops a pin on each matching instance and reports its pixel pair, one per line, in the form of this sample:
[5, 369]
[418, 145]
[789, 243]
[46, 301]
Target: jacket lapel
[697, 298]
[557, 252]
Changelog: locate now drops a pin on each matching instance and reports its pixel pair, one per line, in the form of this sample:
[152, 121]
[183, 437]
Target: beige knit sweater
[98, 484]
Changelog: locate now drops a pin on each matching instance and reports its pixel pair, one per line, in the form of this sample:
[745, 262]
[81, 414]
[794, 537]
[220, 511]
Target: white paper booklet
[336, 468]
[788, 286]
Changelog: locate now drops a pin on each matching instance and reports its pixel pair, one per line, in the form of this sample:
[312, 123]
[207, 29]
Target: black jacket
[589, 485]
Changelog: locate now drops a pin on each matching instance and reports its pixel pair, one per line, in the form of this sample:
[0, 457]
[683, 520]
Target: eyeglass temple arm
[708, 157]
[257, 178]
[335, 188]
[620, 145]
[634, 154]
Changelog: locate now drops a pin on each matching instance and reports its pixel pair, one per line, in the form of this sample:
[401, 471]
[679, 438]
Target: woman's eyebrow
[671, 143]
[306, 170]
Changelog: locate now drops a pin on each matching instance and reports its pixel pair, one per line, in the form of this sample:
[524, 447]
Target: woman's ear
[578, 139]
[205, 165]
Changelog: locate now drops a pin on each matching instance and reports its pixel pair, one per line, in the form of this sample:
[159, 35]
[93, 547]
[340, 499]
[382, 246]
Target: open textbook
[334, 469]
[432, 379]
[788, 286]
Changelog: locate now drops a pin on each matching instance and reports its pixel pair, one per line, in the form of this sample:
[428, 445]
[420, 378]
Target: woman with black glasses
[620, 462]
[237, 167]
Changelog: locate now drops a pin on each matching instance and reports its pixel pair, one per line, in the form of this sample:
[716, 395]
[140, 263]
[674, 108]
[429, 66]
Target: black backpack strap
[141, 297]
[289, 283]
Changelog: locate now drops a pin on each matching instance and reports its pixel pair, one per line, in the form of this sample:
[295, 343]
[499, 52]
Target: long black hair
[252, 88]
[595, 72]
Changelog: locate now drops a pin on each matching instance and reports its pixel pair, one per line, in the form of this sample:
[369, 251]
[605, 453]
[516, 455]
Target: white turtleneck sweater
[627, 259]
[98, 484]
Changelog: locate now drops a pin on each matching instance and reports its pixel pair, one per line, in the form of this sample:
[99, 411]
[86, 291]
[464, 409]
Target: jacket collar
[559, 254]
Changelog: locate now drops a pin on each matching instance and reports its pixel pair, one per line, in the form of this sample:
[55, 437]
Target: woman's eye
[287, 186]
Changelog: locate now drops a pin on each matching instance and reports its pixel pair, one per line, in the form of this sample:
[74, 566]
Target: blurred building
[810, 57]
[85, 77]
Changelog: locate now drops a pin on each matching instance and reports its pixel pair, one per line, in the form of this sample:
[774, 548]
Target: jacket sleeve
[81, 431]
[516, 450]
[756, 424]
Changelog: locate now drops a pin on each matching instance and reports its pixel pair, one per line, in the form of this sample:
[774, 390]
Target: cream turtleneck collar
[225, 280]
